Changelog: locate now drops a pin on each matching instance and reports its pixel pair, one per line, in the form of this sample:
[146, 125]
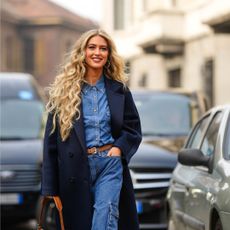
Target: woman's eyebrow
[92, 44]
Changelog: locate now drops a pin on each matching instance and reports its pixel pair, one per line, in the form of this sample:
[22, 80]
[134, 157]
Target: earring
[107, 65]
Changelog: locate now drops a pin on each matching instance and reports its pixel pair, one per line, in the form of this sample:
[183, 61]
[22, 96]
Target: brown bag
[58, 205]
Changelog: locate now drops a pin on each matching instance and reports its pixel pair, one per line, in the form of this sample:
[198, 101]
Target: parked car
[199, 193]
[22, 123]
[166, 118]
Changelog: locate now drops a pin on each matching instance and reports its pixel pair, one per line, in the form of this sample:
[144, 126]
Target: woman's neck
[93, 76]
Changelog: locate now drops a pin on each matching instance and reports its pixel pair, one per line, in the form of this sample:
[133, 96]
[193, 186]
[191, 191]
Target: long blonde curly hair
[65, 92]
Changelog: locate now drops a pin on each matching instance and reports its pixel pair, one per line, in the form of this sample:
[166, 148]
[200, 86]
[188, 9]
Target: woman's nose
[97, 51]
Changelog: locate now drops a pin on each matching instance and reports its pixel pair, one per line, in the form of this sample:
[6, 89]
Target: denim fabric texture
[106, 179]
[96, 115]
[106, 172]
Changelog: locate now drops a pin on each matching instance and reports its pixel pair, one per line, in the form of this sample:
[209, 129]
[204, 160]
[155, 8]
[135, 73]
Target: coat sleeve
[131, 135]
[49, 184]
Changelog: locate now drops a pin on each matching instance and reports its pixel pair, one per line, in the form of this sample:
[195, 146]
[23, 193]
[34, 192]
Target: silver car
[199, 192]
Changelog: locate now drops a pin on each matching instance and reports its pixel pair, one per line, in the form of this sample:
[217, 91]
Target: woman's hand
[114, 151]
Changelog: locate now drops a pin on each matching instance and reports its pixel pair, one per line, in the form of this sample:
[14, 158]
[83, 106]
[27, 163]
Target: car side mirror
[193, 157]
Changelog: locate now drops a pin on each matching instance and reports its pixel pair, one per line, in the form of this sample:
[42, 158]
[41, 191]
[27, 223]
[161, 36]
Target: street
[29, 225]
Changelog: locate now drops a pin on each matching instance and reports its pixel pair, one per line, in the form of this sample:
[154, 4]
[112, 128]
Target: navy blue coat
[65, 170]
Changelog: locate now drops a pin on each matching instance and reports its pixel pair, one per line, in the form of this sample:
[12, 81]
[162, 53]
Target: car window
[209, 141]
[21, 89]
[227, 141]
[22, 109]
[164, 114]
[21, 119]
[195, 139]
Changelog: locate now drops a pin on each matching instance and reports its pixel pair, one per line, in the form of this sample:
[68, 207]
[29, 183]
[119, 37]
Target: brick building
[35, 35]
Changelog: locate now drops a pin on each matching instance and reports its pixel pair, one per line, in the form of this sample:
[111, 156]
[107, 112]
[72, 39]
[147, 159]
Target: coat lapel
[116, 104]
[79, 130]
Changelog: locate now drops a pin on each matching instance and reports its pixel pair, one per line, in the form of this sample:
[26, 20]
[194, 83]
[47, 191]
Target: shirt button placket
[94, 100]
[95, 109]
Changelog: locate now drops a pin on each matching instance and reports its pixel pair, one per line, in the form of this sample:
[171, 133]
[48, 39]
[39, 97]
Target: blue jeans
[106, 175]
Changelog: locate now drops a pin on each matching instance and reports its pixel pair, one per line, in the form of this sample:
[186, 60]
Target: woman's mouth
[97, 59]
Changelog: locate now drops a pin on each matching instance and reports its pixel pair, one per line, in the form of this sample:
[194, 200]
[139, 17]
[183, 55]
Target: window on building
[9, 53]
[143, 80]
[29, 54]
[118, 6]
[174, 78]
[39, 56]
[208, 70]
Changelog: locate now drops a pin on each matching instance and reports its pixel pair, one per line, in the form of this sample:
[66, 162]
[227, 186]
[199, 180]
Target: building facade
[174, 43]
[35, 36]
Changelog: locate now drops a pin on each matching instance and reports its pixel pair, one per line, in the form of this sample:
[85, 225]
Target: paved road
[29, 225]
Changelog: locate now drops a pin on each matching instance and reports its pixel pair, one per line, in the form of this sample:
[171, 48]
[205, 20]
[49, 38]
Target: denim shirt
[96, 115]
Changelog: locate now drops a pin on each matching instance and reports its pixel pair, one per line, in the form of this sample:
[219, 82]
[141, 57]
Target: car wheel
[218, 225]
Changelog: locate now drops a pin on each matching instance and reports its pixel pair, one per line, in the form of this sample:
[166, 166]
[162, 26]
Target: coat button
[72, 179]
[71, 154]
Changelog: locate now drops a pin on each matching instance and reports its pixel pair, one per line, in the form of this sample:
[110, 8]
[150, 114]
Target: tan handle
[59, 207]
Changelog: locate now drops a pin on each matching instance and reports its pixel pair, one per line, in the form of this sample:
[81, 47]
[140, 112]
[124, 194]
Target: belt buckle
[95, 150]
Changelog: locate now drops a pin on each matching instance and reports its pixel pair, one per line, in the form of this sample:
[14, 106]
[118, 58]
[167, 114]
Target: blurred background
[166, 44]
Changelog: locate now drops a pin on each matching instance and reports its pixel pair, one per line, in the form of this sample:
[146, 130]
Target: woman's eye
[104, 49]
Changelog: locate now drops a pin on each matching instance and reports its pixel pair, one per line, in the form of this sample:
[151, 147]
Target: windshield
[21, 119]
[164, 114]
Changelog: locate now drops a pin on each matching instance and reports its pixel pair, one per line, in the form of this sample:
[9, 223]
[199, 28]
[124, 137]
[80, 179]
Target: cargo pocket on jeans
[113, 217]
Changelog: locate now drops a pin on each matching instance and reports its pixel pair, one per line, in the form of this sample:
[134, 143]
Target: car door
[201, 186]
[183, 174]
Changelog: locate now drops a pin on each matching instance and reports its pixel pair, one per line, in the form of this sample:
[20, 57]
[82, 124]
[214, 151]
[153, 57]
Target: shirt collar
[100, 85]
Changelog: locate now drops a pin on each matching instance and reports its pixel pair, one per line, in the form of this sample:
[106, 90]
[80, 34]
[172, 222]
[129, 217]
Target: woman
[92, 131]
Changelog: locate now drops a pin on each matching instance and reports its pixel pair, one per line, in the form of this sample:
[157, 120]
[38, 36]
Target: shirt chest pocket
[88, 108]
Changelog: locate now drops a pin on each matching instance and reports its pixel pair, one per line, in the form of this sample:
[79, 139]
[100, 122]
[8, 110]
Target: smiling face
[96, 53]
